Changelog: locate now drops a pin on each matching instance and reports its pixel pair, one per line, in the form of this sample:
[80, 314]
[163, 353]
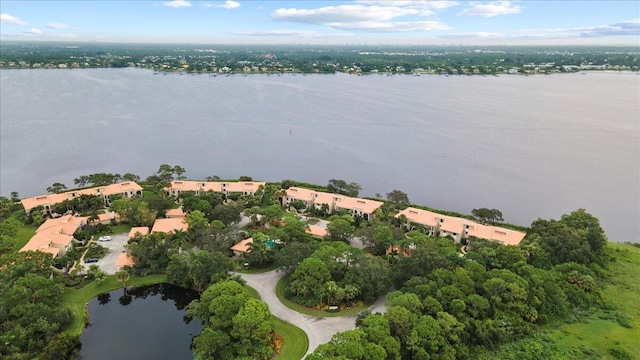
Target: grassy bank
[305, 310]
[294, 341]
[25, 233]
[603, 336]
[77, 299]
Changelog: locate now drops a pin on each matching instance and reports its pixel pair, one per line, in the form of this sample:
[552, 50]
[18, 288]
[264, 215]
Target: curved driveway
[319, 330]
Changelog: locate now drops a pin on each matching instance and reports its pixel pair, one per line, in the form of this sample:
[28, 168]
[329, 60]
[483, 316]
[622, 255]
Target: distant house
[55, 236]
[243, 247]
[316, 231]
[138, 232]
[176, 213]
[434, 224]
[107, 217]
[169, 225]
[125, 189]
[331, 202]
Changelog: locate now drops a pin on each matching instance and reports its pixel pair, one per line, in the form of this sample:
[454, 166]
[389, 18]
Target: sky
[391, 22]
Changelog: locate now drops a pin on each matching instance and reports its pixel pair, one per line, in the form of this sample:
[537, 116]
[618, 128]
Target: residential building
[434, 224]
[316, 231]
[138, 232]
[169, 225]
[331, 202]
[178, 187]
[124, 259]
[243, 247]
[125, 189]
[55, 236]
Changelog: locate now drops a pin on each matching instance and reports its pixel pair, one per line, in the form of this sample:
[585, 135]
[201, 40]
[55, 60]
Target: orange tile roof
[124, 259]
[242, 186]
[51, 199]
[143, 230]
[300, 193]
[419, 216]
[66, 224]
[364, 205]
[184, 185]
[243, 246]
[452, 224]
[123, 187]
[315, 230]
[169, 225]
[174, 213]
[495, 233]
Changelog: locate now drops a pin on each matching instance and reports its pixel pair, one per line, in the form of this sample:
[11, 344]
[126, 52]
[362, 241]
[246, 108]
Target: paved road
[114, 247]
[319, 330]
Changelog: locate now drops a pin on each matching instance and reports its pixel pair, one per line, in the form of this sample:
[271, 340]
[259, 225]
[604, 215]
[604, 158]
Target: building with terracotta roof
[55, 236]
[176, 213]
[331, 202]
[243, 247]
[124, 259]
[125, 189]
[434, 224]
[169, 225]
[178, 187]
[316, 231]
[138, 232]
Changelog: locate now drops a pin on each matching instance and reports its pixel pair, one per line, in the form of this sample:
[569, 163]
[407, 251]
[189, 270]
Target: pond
[148, 322]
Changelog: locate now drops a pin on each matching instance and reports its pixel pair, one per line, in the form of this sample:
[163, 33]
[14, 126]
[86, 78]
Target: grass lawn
[25, 233]
[294, 341]
[305, 310]
[77, 299]
[118, 229]
[603, 332]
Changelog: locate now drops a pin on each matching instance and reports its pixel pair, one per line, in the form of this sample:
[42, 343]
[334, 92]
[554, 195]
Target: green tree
[252, 329]
[485, 215]
[340, 230]
[398, 197]
[122, 276]
[56, 188]
[307, 281]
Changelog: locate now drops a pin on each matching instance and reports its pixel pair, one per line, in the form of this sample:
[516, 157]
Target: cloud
[415, 4]
[631, 27]
[393, 26]
[229, 4]
[490, 9]
[341, 14]
[33, 31]
[297, 33]
[55, 25]
[275, 33]
[6, 18]
[177, 3]
[624, 28]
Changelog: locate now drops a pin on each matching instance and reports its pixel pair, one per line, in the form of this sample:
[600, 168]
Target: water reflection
[145, 323]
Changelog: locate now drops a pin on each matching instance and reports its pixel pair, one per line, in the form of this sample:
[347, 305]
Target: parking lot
[114, 247]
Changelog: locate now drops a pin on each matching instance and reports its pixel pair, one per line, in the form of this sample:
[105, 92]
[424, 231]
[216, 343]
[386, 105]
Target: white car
[104, 238]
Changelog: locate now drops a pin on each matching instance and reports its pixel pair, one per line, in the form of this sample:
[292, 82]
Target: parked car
[104, 238]
[90, 260]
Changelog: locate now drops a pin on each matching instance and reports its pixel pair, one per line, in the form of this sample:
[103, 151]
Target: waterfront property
[434, 224]
[329, 203]
[125, 189]
[55, 236]
[124, 259]
[228, 188]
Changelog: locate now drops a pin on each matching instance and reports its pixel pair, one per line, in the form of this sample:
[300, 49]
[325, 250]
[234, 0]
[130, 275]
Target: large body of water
[145, 323]
[531, 146]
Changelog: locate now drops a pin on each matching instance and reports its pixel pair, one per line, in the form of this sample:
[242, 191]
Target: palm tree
[123, 276]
